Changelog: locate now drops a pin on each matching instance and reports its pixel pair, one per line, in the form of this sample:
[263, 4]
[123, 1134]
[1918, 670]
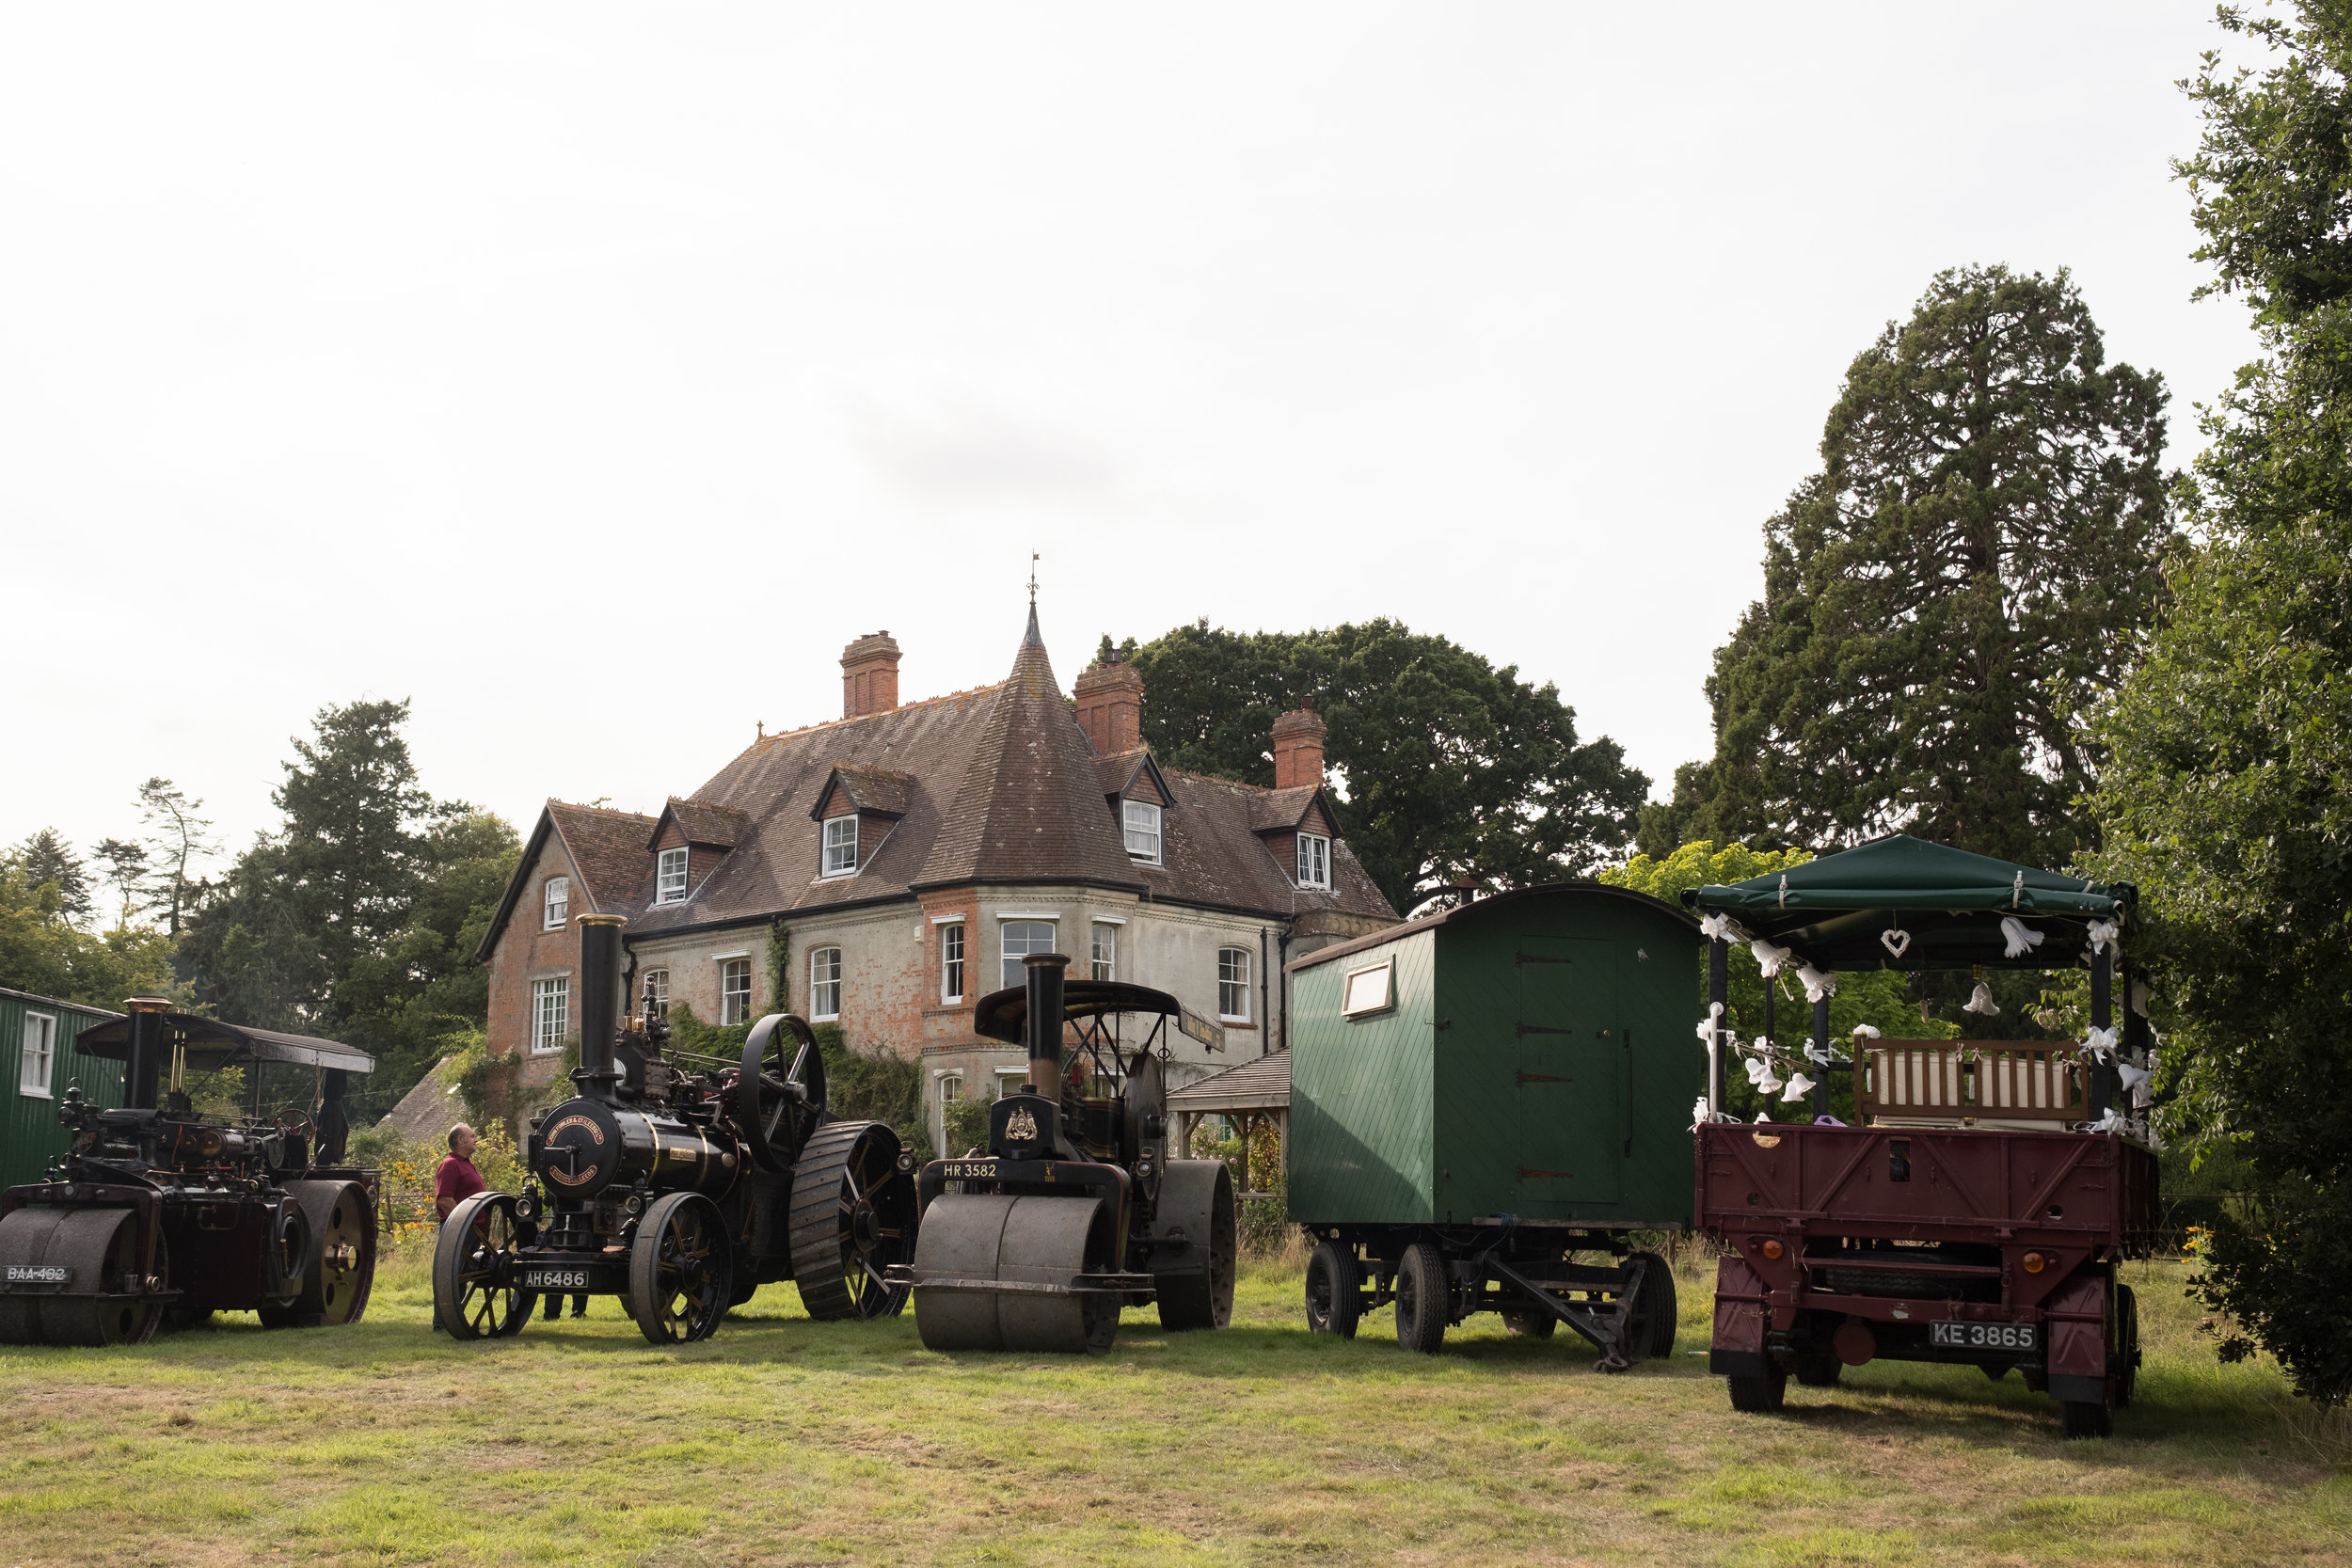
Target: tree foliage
[1877, 998]
[2228, 794]
[1946, 598]
[45, 952]
[49, 861]
[1450, 768]
[177, 838]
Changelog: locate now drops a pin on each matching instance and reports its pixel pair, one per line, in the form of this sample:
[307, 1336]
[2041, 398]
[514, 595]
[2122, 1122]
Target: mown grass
[784, 1441]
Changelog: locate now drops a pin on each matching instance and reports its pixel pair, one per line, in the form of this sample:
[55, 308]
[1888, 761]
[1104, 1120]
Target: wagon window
[1370, 990]
[41, 1052]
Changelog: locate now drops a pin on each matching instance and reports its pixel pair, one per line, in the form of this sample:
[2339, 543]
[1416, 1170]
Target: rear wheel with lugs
[1333, 1283]
[680, 1270]
[853, 1217]
[1424, 1299]
[98, 1250]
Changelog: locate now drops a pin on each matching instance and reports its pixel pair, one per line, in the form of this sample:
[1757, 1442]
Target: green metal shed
[37, 1038]
[1528, 1054]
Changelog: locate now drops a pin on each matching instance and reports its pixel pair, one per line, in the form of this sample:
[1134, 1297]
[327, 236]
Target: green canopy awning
[1838, 912]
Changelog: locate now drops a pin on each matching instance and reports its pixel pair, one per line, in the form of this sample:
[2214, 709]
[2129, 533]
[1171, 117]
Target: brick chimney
[1299, 748]
[869, 675]
[1110, 707]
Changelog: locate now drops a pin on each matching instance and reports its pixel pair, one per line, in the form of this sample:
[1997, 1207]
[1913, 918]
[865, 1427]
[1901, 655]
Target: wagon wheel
[2126, 1345]
[680, 1270]
[474, 1269]
[853, 1217]
[777, 1105]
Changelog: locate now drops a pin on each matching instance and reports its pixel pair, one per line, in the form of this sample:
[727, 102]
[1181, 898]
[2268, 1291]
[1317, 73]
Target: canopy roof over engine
[1902, 903]
[213, 1045]
[1004, 1015]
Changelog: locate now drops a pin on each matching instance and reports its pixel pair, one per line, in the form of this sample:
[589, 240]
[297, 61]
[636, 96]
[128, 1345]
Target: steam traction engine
[156, 1209]
[1077, 1211]
[681, 1183]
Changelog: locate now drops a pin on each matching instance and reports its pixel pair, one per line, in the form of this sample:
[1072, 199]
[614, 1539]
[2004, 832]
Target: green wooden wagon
[1486, 1104]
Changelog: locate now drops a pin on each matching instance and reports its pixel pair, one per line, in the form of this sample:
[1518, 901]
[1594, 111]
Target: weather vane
[1033, 577]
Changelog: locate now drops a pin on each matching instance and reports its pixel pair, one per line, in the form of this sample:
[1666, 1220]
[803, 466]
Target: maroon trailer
[1979, 1213]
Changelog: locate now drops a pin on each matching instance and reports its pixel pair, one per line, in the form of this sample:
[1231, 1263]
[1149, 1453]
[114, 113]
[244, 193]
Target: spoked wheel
[778, 1102]
[97, 1248]
[475, 1267]
[852, 1217]
[1334, 1281]
[680, 1270]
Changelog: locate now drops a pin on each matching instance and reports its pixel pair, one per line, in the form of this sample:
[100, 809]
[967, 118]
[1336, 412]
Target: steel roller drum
[1020, 1240]
[96, 1248]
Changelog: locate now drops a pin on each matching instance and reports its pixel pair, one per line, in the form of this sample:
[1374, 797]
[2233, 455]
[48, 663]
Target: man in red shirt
[455, 1182]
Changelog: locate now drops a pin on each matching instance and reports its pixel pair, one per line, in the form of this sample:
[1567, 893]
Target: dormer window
[670, 878]
[1314, 861]
[559, 902]
[840, 857]
[1142, 820]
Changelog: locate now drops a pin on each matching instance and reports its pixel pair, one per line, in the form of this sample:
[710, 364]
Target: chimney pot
[869, 675]
[1299, 748]
[1110, 707]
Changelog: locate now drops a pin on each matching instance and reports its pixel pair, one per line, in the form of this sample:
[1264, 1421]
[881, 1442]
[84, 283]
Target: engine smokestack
[600, 980]
[1045, 1020]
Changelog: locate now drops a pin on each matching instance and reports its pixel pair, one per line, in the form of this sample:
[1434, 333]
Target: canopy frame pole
[1719, 1005]
[1821, 1044]
[2103, 1074]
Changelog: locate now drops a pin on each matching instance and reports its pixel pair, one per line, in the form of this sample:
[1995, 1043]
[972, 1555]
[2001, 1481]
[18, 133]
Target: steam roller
[681, 1182]
[158, 1212]
[1076, 1211]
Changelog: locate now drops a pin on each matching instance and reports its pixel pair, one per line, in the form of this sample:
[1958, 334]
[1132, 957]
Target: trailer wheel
[2089, 1419]
[1819, 1368]
[1421, 1299]
[1530, 1325]
[1658, 1285]
[1333, 1281]
[1760, 1395]
[2127, 1344]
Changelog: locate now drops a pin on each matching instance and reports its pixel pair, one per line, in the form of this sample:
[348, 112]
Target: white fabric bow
[2100, 1041]
[2022, 937]
[1981, 1000]
[1768, 958]
[1817, 1053]
[1715, 928]
[1700, 1116]
[1798, 1086]
[1817, 984]
[2114, 1121]
[2100, 933]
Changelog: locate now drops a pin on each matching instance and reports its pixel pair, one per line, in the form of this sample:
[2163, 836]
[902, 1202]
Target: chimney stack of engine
[1045, 1020]
[143, 1062]
[599, 1003]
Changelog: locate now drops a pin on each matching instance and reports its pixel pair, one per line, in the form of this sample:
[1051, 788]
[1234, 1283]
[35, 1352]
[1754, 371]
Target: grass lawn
[784, 1441]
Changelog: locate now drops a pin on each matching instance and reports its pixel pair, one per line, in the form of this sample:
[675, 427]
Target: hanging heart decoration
[1894, 940]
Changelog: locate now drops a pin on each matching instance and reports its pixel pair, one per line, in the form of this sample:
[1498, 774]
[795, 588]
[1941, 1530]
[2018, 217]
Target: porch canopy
[213, 1045]
[1902, 903]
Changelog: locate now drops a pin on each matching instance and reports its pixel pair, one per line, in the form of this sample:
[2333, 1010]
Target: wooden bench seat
[1985, 1082]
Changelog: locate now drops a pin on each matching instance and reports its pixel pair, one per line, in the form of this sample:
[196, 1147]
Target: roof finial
[1033, 577]
[1031, 638]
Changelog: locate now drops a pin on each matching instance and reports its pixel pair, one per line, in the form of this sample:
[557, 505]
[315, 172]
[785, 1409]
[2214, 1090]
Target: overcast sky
[590, 375]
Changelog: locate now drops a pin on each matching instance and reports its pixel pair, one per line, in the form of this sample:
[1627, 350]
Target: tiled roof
[1277, 809]
[998, 784]
[608, 849]
[704, 822]
[882, 790]
[1260, 1083]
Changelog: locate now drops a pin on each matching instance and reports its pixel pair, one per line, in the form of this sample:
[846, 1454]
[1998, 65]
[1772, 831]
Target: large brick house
[897, 863]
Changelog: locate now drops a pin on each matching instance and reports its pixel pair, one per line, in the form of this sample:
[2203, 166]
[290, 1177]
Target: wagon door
[1571, 1077]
